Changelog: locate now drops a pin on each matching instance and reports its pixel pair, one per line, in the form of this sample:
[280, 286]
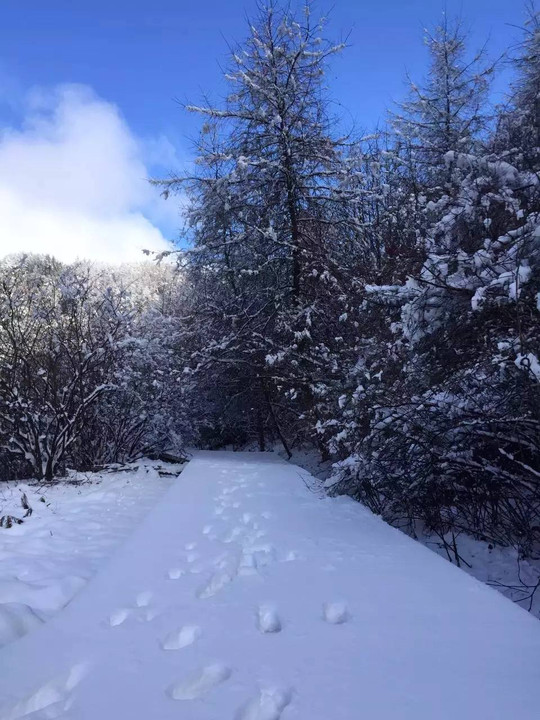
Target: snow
[500, 567]
[530, 363]
[287, 606]
[74, 525]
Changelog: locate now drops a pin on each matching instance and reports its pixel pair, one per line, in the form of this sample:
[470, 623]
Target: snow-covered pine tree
[452, 444]
[518, 132]
[447, 112]
[265, 215]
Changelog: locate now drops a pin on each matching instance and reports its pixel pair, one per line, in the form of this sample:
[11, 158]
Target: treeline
[377, 297]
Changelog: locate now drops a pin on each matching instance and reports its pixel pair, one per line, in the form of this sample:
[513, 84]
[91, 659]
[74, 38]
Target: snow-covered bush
[450, 434]
[87, 373]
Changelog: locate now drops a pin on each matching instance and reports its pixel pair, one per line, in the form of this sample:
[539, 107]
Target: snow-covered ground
[244, 595]
[73, 527]
[500, 567]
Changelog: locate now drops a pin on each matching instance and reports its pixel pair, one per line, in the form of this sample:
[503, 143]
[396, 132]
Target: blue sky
[140, 56]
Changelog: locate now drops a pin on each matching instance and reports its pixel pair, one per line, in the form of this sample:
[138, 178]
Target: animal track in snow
[190, 546]
[336, 613]
[119, 616]
[266, 515]
[201, 683]
[267, 705]
[192, 556]
[51, 700]
[143, 599]
[181, 638]
[247, 518]
[268, 620]
[176, 573]
[207, 529]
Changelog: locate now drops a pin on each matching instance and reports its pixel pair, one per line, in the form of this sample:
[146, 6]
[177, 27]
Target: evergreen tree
[264, 213]
[447, 113]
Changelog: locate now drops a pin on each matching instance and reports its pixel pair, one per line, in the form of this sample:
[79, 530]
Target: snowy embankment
[243, 595]
[500, 567]
[74, 525]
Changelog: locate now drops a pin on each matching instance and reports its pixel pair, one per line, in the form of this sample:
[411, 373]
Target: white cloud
[73, 182]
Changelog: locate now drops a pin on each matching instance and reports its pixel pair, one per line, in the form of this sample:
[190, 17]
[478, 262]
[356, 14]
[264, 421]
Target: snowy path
[242, 595]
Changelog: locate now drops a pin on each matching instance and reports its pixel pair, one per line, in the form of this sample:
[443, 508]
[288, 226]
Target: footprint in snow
[51, 700]
[176, 573]
[200, 683]
[233, 534]
[216, 583]
[291, 556]
[268, 620]
[264, 554]
[267, 705]
[207, 529]
[143, 599]
[181, 638]
[222, 561]
[119, 616]
[336, 613]
[247, 566]
[150, 614]
[190, 546]
[192, 556]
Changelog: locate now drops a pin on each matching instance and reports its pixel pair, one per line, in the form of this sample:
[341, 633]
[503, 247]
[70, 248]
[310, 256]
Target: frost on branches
[87, 372]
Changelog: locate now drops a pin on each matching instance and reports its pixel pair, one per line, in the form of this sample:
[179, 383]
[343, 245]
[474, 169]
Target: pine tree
[264, 212]
[446, 114]
[519, 126]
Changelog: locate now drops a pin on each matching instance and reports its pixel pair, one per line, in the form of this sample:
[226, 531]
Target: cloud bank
[73, 182]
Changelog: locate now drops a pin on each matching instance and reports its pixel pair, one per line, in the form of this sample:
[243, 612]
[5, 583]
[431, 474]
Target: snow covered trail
[243, 595]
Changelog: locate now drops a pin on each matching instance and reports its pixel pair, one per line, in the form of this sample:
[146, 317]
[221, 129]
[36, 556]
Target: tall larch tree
[265, 213]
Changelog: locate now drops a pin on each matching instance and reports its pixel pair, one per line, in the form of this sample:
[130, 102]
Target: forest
[373, 296]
